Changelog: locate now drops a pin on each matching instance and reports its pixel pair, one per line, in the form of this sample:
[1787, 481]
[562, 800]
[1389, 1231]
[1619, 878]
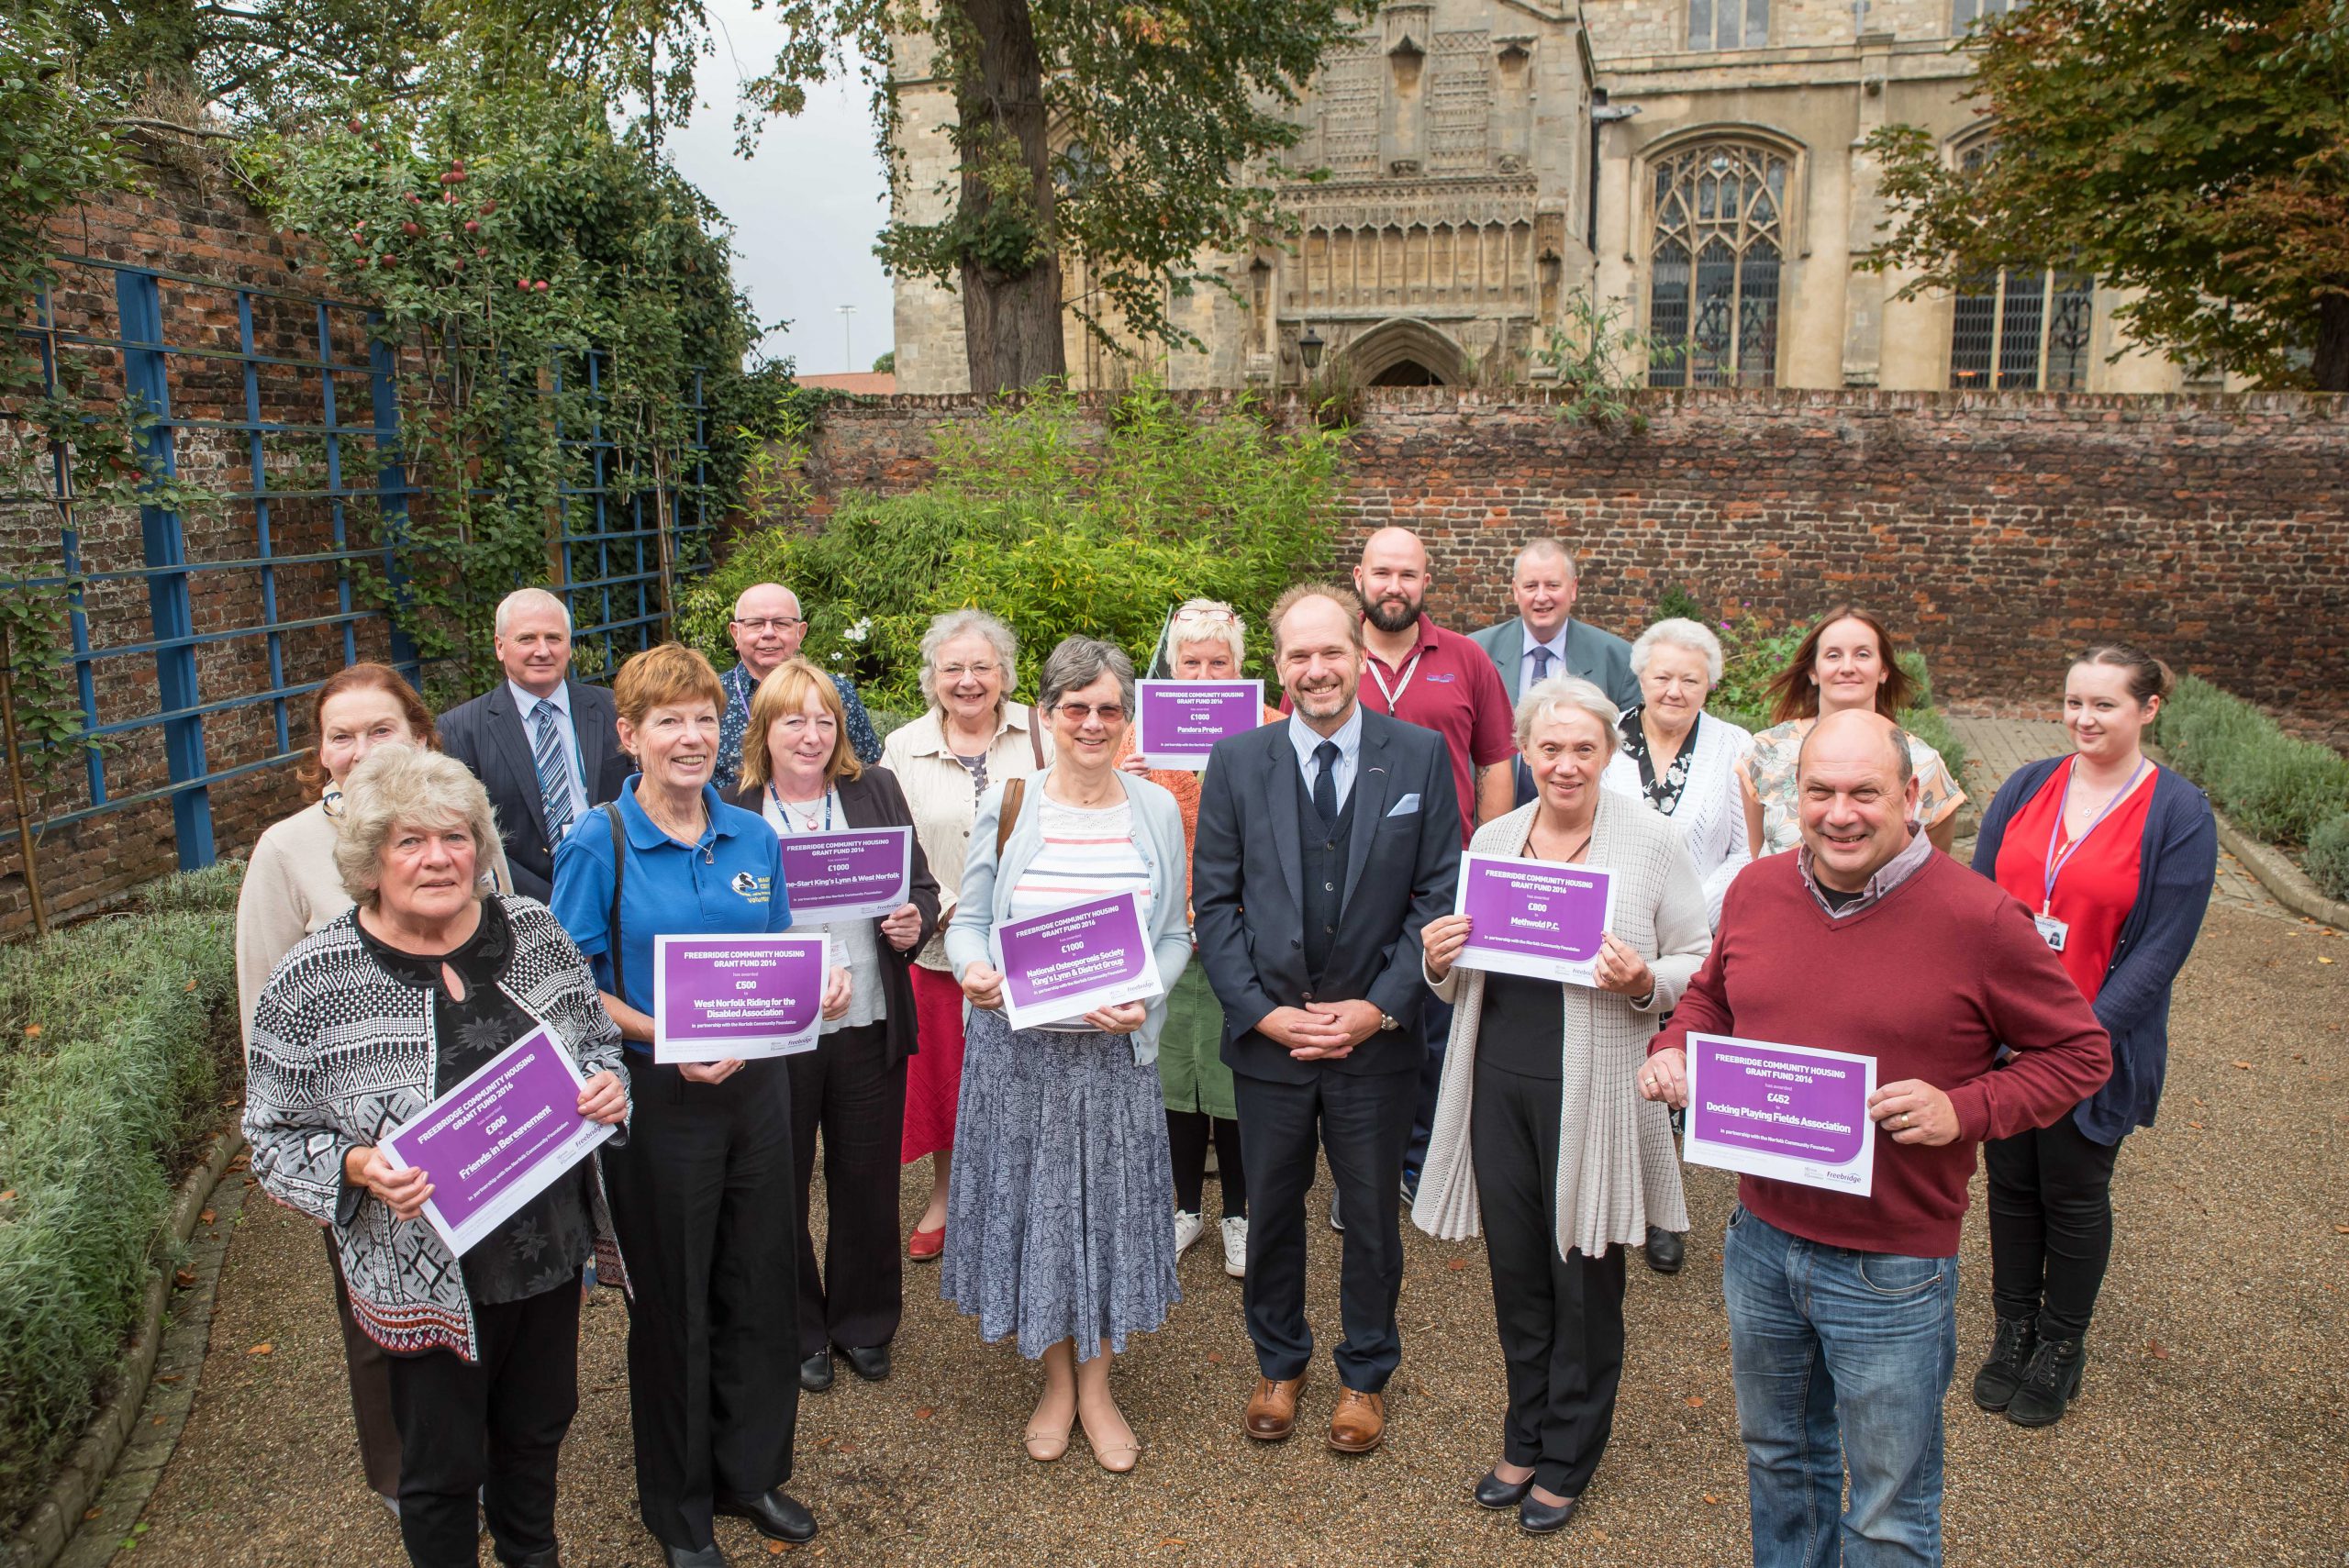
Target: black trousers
[2050, 1226]
[1435, 1028]
[698, 1193]
[492, 1427]
[371, 1389]
[842, 1089]
[1187, 1133]
[1363, 1121]
[1560, 1316]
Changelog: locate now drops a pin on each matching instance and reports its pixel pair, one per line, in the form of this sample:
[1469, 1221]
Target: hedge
[2276, 786]
[119, 1043]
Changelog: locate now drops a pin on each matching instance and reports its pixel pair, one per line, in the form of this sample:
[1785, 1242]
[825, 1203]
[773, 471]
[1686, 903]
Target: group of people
[449, 890]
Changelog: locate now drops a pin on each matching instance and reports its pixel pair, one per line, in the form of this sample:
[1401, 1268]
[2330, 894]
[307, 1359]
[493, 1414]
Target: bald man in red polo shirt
[1439, 680]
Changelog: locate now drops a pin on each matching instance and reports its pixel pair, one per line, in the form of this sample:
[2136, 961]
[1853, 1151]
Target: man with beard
[1325, 843]
[1439, 680]
[768, 629]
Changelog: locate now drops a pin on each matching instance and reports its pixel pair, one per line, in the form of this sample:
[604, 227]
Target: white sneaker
[1235, 1246]
[1187, 1228]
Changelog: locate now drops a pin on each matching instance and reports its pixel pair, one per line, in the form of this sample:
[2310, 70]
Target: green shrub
[1056, 526]
[2275, 785]
[119, 1045]
[2328, 856]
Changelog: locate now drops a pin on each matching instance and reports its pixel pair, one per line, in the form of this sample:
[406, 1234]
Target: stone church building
[1697, 164]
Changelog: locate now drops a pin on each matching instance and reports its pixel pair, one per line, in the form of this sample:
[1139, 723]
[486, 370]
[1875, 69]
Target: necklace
[791, 808]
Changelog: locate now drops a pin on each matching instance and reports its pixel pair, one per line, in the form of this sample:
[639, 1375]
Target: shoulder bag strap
[1036, 736]
[1014, 793]
[619, 876]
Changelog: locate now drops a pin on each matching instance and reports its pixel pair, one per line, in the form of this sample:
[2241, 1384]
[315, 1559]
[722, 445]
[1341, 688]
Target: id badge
[2051, 931]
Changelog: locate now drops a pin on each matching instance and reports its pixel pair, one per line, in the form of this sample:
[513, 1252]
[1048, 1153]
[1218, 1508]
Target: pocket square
[1405, 807]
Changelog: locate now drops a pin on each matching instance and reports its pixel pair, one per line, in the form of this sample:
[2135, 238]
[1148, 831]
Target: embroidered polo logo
[1440, 677]
[744, 883]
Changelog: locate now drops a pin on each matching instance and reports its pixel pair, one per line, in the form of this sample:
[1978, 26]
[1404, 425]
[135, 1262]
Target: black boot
[2010, 1347]
[1664, 1250]
[2049, 1385]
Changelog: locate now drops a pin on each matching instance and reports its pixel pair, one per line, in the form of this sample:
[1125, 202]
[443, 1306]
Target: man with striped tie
[545, 746]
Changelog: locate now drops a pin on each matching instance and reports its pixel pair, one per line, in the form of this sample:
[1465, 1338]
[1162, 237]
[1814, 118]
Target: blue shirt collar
[1556, 645]
[1305, 739]
[526, 704]
[724, 820]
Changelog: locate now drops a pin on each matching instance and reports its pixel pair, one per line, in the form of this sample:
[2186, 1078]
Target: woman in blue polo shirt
[713, 1365]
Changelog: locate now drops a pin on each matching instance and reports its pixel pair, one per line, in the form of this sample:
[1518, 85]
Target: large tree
[1122, 136]
[2197, 151]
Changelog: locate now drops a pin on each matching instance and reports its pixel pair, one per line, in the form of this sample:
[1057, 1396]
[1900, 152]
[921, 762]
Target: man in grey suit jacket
[1544, 639]
[546, 747]
[1325, 842]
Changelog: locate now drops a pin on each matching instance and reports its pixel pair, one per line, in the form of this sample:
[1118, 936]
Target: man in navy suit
[546, 747]
[1325, 843]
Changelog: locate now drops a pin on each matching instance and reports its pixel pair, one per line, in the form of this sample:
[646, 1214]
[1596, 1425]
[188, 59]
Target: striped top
[1089, 853]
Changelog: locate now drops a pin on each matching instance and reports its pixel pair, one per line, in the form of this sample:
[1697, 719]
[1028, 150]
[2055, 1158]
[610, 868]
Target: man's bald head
[1857, 731]
[767, 627]
[1392, 579]
[1855, 792]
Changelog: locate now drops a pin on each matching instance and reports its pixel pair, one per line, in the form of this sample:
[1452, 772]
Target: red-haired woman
[1847, 661]
[291, 888]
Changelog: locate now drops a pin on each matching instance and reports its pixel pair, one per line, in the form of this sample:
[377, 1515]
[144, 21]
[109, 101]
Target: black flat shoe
[1665, 1251]
[1492, 1491]
[2050, 1384]
[773, 1514]
[709, 1556]
[815, 1372]
[869, 1362]
[1535, 1517]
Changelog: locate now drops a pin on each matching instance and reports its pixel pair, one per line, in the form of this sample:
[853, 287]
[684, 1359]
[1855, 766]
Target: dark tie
[1325, 779]
[1540, 663]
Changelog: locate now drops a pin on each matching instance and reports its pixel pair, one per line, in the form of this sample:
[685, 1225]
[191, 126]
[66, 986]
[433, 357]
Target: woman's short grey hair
[400, 785]
[1207, 620]
[1079, 661]
[1545, 699]
[953, 624]
[1680, 632]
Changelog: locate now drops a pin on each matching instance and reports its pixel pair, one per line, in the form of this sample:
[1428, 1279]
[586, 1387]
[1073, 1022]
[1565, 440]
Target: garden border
[50, 1527]
[2276, 872]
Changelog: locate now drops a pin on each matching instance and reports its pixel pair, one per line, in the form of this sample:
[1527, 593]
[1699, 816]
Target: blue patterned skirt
[1060, 1214]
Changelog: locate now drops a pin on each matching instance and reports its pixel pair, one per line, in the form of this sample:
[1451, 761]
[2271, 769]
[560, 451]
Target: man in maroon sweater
[1843, 1309]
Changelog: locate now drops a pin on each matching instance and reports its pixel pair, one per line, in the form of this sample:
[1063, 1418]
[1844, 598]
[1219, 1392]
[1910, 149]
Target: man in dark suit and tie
[1325, 843]
[1544, 639]
[546, 747]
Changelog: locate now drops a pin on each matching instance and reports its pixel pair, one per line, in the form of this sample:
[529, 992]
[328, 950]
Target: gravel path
[2212, 1432]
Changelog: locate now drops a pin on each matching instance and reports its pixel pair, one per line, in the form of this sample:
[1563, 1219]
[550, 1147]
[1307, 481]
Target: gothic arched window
[1714, 255]
[2019, 328]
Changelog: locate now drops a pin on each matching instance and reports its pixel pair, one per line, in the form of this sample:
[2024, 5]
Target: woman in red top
[2115, 857]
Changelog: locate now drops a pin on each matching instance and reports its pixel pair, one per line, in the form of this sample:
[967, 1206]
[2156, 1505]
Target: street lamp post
[848, 335]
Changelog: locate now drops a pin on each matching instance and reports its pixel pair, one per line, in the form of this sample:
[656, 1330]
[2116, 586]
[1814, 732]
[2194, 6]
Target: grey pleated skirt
[1060, 1215]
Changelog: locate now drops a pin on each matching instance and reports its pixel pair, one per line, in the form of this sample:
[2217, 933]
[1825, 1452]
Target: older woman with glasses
[1681, 760]
[1058, 1228]
[971, 735]
[1205, 642]
[365, 1021]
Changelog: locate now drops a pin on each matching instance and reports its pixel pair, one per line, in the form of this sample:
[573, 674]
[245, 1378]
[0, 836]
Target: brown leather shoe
[1358, 1422]
[1272, 1409]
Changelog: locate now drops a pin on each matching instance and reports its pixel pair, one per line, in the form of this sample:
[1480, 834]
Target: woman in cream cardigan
[1541, 1135]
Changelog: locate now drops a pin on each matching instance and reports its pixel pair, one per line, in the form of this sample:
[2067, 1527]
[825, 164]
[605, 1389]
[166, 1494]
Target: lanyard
[2056, 859]
[1395, 694]
[786, 813]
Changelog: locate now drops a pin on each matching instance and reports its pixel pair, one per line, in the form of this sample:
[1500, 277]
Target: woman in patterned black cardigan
[363, 1024]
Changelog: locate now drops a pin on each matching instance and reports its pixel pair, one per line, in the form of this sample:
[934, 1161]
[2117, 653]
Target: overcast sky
[806, 206]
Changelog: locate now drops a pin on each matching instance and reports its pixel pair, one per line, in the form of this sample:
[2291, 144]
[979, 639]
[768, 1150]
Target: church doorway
[1403, 351]
[1406, 372]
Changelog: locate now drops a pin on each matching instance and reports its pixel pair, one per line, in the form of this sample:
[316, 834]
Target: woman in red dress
[2114, 855]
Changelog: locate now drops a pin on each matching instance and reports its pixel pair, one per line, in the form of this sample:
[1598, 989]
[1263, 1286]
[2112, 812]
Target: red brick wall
[1997, 532]
[201, 229]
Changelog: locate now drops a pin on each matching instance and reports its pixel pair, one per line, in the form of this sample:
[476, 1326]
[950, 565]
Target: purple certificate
[1180, 722]
[497, 1139]
[1058, 967]
[1537, 918]
[741, 996]
[857, 875]
[1783, 1111]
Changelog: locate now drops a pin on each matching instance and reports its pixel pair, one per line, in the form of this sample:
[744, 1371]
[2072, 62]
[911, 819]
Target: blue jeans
[1839, 1358]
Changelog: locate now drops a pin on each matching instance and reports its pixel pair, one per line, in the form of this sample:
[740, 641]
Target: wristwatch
[1389, 1021]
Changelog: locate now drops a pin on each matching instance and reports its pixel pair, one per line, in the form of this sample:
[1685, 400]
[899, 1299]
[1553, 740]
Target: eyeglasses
[976, 672]
[779, 623]
[1077, 712]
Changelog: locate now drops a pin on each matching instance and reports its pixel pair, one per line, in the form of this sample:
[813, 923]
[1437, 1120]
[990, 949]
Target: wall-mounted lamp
[1309, 349]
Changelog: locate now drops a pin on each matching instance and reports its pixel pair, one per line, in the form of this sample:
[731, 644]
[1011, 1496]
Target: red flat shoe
[924, 1245]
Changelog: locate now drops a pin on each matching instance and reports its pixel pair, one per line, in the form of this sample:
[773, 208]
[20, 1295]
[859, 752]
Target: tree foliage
[2195, 150]
[244, 60]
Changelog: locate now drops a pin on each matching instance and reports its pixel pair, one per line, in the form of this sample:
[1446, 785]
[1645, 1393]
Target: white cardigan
[1617, 1172]
[1711, 813]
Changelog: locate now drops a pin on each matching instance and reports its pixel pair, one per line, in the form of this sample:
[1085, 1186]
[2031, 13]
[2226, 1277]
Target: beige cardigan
[937, 790]
[1618, 1173]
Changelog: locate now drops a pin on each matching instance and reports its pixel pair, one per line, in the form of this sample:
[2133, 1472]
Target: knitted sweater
[1929, 982]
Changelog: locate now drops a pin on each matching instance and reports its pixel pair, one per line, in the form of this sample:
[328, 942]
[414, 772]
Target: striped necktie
[554, 773]
[1542, 657]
